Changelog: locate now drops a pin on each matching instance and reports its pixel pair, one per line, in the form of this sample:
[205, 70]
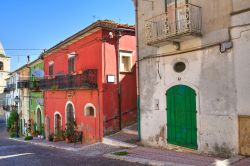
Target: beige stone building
[23, 86]
[4, 71]
[4, 68]
[194, 80]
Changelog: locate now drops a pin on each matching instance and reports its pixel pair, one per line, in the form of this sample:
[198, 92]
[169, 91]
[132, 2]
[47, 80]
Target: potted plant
[51, 137]
[59, 136]
[69, 131]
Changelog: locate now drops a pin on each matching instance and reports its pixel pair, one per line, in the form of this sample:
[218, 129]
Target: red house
[90, 78]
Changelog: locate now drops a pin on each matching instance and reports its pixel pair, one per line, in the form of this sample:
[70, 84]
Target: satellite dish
[38, 73]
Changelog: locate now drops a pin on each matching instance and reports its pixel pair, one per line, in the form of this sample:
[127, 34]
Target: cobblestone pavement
[24, 154]
[171, 156]
[243, 162]
[124, 137]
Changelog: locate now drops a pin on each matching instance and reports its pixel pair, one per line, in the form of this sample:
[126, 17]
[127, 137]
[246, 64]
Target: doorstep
[58, 145]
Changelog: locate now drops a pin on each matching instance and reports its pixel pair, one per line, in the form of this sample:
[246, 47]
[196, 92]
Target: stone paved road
[243, 162]
[31, 155]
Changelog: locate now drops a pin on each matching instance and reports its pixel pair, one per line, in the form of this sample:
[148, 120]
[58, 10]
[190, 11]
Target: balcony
[86, 80]
[9, 88]
[23, 84]
[6, 107]
[176, 25]
[6, 90]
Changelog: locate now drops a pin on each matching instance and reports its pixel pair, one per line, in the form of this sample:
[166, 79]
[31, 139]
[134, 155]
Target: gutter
[118, 36]
[98, 24]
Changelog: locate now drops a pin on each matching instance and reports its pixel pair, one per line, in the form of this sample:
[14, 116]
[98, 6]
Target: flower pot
[67, 140]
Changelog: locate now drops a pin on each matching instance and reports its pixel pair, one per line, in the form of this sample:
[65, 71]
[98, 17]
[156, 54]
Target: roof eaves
[104, 24]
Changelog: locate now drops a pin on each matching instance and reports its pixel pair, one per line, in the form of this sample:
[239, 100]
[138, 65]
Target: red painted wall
[93, 53]
[56, 102]
[88, 56]
[127, 81]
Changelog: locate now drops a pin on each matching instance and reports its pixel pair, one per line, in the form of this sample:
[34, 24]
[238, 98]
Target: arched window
[89, 110]
[57, 123]
[70, 113]
[1, 65]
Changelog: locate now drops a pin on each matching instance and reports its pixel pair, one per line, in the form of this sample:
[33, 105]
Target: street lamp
[16, 109]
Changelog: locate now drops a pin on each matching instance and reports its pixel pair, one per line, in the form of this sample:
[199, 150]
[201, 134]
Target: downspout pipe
[137, 71]
[99, 116]
[118, 36]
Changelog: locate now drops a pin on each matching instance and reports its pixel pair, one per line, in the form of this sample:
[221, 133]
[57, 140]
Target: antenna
[94, 18]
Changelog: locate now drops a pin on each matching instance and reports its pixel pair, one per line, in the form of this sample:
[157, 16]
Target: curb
[142, 160]
[51, 146]
[113, 142]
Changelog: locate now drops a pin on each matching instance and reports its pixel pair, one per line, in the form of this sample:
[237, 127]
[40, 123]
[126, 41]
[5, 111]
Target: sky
[29, 26]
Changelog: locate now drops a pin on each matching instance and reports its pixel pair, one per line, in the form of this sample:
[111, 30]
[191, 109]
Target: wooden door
[38, 120]
[181, 116]
[244, 135]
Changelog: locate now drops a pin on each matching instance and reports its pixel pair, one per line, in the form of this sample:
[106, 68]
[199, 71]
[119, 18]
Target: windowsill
[126, 72]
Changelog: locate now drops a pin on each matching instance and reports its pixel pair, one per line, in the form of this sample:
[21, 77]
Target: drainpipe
[99, 116]
[137, 72]
[118, 36]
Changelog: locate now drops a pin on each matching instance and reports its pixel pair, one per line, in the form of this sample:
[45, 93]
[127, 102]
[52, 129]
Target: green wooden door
[181, 116]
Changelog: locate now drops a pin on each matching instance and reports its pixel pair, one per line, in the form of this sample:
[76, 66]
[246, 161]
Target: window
[177, 2]
[51, 68]
[179, 67]
[71, 63]
[89, 110]
[169, 1]
[1, 65]
[57, 123]
[70, 113]
[125, 61]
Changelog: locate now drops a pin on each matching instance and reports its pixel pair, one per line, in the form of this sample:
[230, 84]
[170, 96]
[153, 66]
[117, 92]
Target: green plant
[121, 153]
[29, 127]
[54, 87]
[70, 128]
[28, 138]
[12, 120]
[51, 137]
[60, 134]
[12, 134]
[8, 124]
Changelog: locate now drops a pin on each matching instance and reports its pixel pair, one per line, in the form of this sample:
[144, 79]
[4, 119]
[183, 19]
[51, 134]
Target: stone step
[113, 142]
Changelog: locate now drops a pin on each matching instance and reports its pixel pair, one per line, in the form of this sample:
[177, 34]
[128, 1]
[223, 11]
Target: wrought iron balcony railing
[6, 107]
[88, 79]
[6, 90]
[174, 25]
[23, 84]
[9, 87]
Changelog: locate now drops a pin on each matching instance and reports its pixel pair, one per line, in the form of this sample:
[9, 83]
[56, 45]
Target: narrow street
[22, 154]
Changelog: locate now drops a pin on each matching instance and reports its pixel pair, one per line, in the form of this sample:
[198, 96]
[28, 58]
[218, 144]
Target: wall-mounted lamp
[177, 45]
